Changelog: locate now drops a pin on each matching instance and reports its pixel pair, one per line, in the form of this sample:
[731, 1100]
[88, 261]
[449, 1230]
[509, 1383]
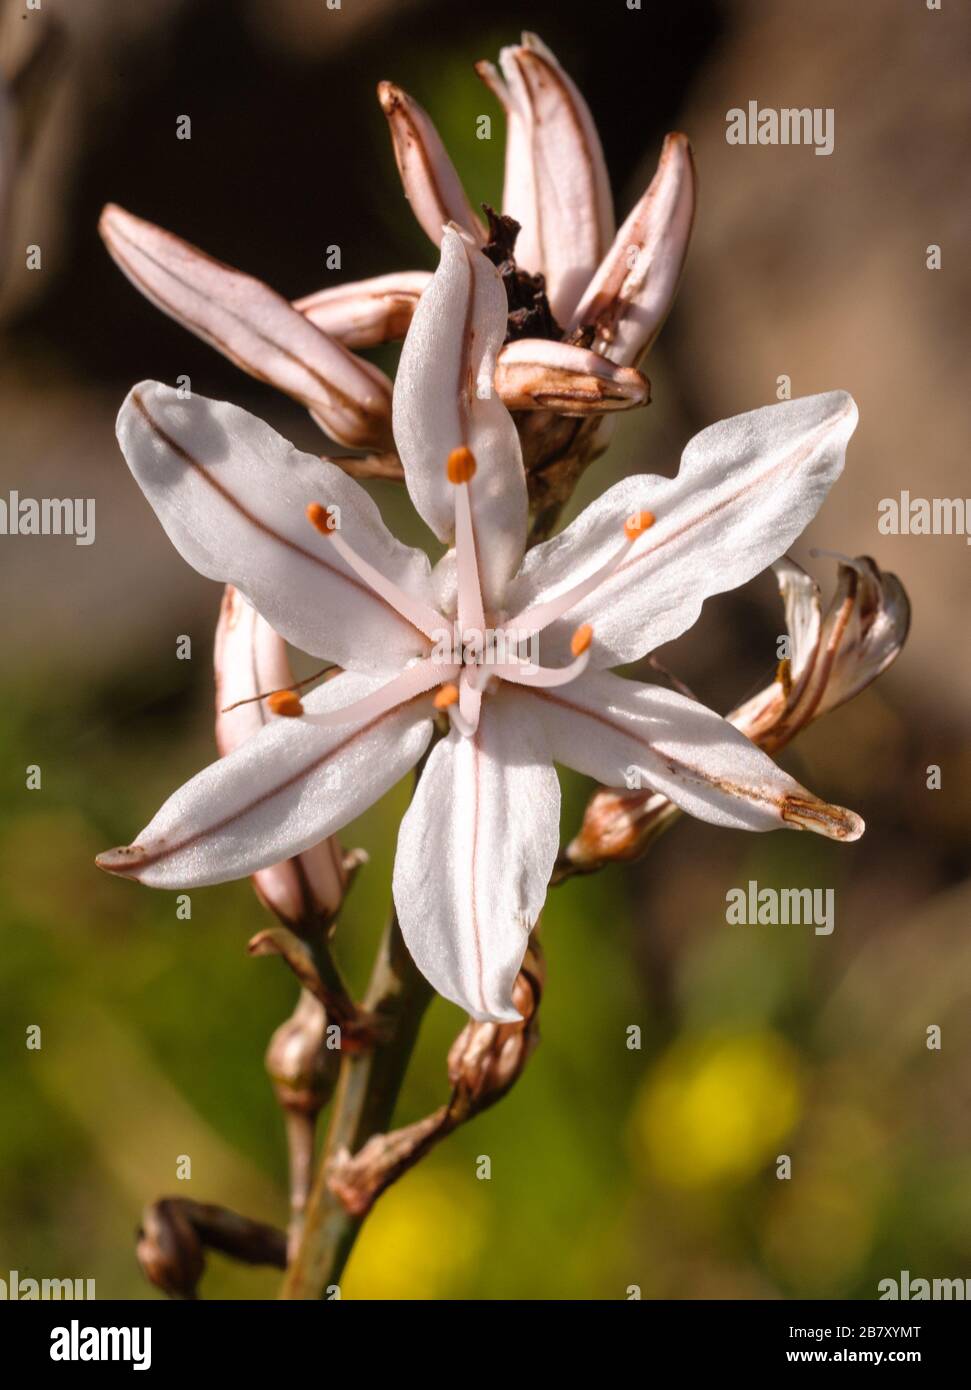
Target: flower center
[469, 657]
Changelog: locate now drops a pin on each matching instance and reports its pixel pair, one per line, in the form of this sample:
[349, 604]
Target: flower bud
[251, 660]
[254, 327]
[628, 299]
[367, 312]
[533, 374]
[486, 1059]
[169, 1249]
[303, 1070]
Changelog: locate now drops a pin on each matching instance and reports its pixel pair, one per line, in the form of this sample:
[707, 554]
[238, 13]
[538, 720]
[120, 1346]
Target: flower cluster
[305, 547]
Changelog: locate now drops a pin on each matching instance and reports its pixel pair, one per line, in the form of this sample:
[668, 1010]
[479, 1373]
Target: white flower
[478, 843]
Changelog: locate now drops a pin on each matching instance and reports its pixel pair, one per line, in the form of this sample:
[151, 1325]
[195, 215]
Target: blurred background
[610, 1167]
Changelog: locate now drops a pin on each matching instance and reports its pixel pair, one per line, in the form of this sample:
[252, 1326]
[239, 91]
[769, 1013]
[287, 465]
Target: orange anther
[285, 702]
[640, 521]
[581, 639]
[461, 465]
[446, 695]
[320, 518]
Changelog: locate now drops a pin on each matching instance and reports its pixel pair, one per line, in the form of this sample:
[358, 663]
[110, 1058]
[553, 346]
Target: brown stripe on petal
[130, 860]
[789, 462]
[237, 506]
[804, 811]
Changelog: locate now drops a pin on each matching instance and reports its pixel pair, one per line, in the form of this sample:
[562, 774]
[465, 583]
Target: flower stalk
[367, 1091]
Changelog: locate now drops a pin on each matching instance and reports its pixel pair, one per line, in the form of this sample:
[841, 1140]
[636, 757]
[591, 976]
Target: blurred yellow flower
[422, 1238]
[715, 1109]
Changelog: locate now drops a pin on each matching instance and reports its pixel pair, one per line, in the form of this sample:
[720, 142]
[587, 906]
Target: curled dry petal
[556, 180]
[534, 374]
[367, 312]
[832, 658]
[430, 182]
[628, 299]
[251, 659]
[255, 328]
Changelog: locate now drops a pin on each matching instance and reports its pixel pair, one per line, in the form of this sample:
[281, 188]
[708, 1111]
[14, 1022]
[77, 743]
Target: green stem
[367, 1092]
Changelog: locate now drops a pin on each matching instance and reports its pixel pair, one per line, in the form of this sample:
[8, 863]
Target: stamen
[414, 680]
[525, 673]
[638, 523]
[461, 465]
[460, 468]
[446, 696]
[285, 702]
[536, 618]
[265, 694]
[419, 614]
[581, 639]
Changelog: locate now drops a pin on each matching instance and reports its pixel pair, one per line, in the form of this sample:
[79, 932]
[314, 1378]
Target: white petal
[444, 398]
[281, 792]
[430, 182]
[367, 312]
[232, 495]
[630, 735]
[254, 327]
[628, 299]
[746, 489]
[556, 179]
[475, 854]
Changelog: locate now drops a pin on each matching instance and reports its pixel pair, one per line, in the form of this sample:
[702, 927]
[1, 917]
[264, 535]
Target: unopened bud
[169, 1249]
[302, 1068]
[532, 374]
[617, 827]
[486, 1059]
[251, 660]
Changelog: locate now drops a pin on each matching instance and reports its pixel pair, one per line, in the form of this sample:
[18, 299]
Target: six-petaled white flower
[478, 843]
